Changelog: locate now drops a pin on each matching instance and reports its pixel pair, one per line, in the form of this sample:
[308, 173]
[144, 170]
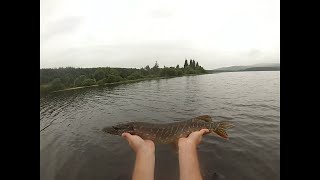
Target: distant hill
[254, 67]
[266, 65]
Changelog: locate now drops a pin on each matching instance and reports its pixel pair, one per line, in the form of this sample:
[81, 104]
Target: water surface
[72, 145]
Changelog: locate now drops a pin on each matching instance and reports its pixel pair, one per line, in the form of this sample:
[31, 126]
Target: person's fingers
[203, 131]
[127, 136]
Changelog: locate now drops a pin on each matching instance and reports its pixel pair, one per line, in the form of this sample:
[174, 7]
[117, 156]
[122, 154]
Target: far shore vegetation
[59, 79]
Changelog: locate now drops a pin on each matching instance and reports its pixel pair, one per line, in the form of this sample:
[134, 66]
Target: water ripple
[73, 146]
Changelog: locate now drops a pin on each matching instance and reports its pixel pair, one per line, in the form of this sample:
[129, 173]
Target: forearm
[189, 163]
[144, 166]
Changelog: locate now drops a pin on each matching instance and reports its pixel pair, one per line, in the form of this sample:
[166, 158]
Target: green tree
[79, 80]
[101, 82]
[156, 65]
[44, 89]
[113, 78]
[88, 82]
[168, 72]
[200, 70]
[56, 84]
[147, 68]
[60, 78]
[179, 72]
[185, 63]
[189, 70]
[172, 71]
[135, 75]
[125, 72]
[192, 64]
[99, 74]
[144, 72]
[155, 69]
[111, 71]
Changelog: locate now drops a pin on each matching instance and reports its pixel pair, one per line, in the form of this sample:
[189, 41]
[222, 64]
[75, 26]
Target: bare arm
[145, 158]
[188, 157]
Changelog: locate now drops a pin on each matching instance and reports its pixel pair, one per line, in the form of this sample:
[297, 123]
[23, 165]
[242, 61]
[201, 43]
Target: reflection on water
[73, 146]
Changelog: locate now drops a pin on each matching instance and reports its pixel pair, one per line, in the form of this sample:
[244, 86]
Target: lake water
[72, 145]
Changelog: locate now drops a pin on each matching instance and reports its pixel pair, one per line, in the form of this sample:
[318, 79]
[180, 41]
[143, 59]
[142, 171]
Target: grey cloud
[65, 25]
[161, 13]
[254, 53]
[125, 55]
[142, 54]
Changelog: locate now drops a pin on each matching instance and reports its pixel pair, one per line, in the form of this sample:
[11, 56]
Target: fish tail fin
[221, 129]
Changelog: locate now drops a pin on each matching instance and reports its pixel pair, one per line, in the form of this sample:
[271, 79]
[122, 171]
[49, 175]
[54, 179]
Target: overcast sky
[135, 33]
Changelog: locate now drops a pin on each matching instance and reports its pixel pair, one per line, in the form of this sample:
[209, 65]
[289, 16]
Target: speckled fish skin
[170, 132]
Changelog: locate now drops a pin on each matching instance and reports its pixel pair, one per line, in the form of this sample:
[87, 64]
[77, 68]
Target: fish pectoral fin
[205, 118]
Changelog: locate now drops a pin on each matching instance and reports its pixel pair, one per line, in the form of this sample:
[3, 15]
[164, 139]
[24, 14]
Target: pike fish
[171, 132]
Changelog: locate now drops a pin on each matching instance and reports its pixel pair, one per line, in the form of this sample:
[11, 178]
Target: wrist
[187, 145]
[145, 151]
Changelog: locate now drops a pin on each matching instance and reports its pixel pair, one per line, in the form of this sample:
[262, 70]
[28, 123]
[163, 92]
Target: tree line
[70, 77]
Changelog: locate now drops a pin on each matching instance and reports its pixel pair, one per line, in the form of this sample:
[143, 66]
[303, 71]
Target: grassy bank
[114, 83]
[63, 79]
[123, 82]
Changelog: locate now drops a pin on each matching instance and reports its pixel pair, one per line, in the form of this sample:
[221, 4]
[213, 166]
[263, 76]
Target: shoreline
[139, 80]
[121, 82]
[106, 84]
[214, 72]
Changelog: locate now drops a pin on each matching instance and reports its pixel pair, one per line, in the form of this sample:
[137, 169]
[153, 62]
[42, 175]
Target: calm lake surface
[72, 145]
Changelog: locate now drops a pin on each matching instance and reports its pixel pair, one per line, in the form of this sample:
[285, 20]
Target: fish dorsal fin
[205, 118]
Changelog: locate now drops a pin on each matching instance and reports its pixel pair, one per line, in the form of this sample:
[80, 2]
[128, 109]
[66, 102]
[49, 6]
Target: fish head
[119, 129]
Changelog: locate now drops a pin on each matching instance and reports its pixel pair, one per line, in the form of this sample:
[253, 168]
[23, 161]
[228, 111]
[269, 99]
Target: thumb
[126, 136]
[204, 131]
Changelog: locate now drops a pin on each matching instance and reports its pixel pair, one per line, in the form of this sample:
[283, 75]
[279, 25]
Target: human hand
[138, 144]
[193, 139]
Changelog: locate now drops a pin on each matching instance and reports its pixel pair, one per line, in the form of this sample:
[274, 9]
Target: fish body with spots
[171, 132]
